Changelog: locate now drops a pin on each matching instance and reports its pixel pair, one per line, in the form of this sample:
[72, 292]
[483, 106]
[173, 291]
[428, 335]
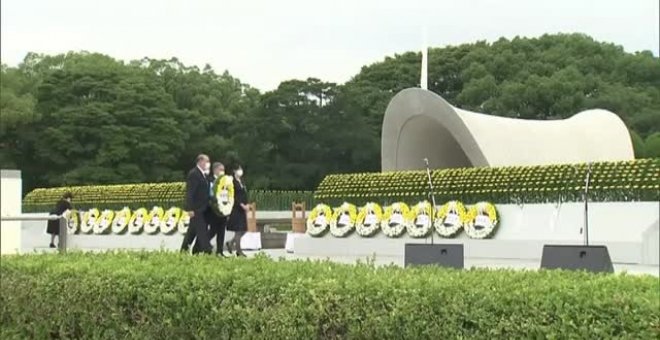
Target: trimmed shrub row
[173, 296]
[637, 180]
[148, 194]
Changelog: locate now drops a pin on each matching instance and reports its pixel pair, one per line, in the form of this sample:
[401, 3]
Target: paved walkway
[632, 269]
[469, 263]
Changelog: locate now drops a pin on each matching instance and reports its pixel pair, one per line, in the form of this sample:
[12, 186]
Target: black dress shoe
[52, 246]
[220, 255]
[230, 247]
[241, 254]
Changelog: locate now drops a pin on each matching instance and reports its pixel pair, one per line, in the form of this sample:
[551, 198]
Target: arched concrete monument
[420, 124]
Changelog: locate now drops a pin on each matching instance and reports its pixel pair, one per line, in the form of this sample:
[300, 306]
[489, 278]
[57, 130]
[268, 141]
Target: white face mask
[239, 173]
[220, 174]
[207, 166]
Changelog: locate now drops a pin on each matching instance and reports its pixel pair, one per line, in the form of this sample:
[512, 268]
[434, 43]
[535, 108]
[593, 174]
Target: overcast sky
[268, 41]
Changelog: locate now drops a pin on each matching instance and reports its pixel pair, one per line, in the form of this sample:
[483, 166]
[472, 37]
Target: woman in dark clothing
[238, 217]
[53, 227]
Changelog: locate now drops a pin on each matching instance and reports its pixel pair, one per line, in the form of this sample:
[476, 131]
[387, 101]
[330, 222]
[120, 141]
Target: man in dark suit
[213, 216]
[197, 202]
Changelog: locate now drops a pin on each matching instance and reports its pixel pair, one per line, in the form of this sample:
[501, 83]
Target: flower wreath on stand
[169, 223]
[89, 220]
[120, 224]
[184, 222]
[136, 223]
[343, 220]
[369, 219]
[449, 219]
[224, 194]
[481, 221]
[104, 224]
[395, 219]
[153, 222]
[318, 220]
[73, 221]
[421, 220]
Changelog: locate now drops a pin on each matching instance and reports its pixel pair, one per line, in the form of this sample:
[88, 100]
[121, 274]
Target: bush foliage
[173, 296]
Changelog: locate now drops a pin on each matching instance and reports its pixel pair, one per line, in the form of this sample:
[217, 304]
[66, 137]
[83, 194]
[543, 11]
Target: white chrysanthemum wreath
[449, 219]
[481, 221]
[395, 219]
[369, 219]
[421, 221]
[343, 220]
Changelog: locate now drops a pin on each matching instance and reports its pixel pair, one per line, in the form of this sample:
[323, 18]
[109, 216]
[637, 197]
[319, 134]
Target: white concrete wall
[11, 188]
[629, 229]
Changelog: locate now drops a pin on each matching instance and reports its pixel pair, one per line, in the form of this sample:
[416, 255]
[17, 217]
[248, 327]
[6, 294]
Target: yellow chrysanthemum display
[481, 220]
[318, 220]
[153, 221]
[120, 223]
[104, 223]
[89, 219]
[421, 218]
[170, 220]
[137, 221]
[224, 194]
[343, 220]
[369, 219]
[395, 219]
[449, 219]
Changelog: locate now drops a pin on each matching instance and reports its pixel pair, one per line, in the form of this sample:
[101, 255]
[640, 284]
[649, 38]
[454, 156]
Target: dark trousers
[198, 230]
[217, 225]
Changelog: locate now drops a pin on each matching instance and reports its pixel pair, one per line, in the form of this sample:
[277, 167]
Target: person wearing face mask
[53, 227]
[238, 218]
[197, 201]
[215, 219]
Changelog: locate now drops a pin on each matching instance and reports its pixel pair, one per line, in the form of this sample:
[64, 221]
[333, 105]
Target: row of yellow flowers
[609, 181]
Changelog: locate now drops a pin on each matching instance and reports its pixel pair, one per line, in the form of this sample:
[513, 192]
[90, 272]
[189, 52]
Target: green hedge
[637, 180]
[173, 296]
[147, 195]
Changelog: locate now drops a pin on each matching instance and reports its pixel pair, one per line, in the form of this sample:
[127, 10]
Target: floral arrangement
[104, 223]
[89, 219]
[318, 220]
[481, 220]
[368, 219]
[449, 219]
[120, 223]
[137, 221]
[153, 221]
[224, 194]
[421, 220]
[343, 220]
[395, 219]
[73, 221]
[140, 195]
[637, 180]
[184, 222]
[170, 220]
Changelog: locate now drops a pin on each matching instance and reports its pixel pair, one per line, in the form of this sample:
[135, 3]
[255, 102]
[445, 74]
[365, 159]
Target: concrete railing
[62, 225]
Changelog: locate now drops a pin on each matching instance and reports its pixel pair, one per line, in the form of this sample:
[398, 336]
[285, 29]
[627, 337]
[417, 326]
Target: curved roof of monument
[420, 124]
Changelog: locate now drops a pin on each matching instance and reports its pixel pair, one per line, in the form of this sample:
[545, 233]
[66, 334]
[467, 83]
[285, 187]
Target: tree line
[87, 118]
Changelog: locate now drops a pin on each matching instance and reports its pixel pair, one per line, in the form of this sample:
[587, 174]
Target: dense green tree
[82, 117]
[652, 145]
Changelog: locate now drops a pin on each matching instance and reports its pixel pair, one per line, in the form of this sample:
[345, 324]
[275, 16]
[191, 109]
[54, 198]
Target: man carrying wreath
[215, 219]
